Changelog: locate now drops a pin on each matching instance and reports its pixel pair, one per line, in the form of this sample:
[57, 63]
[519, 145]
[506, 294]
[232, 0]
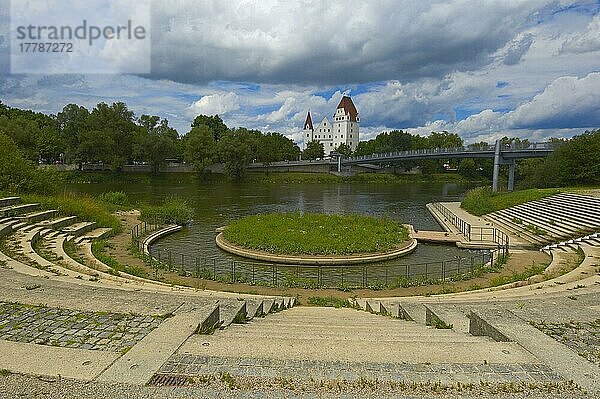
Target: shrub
[114, 197]
[173, 211]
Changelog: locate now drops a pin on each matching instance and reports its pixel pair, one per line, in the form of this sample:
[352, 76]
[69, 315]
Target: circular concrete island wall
[316, 239]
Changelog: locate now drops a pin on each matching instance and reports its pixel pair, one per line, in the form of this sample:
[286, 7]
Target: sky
[482, 69]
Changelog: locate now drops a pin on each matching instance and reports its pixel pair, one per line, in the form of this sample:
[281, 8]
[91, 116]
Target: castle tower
[308, 132]
[346, 124]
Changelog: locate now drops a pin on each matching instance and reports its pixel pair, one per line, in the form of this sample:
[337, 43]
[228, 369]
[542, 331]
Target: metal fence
[390, 274]
[475, 233]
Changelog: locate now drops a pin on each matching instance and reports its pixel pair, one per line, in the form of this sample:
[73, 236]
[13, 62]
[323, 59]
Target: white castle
[343, 130]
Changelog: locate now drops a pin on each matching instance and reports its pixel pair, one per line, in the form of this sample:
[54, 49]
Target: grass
[330, 301]
[522, 276]
[172, 211]
[327, 178]
[483, 200]
[85, 207]
[99, 248]
[316, 234]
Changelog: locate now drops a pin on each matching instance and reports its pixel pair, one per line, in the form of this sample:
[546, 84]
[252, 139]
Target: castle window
[350, 136]
[330, 136]
[342, 136]
[331, 144]
[328, 130]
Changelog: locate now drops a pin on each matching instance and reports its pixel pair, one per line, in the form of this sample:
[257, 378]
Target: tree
[154, 141]
[313, 150]
[18, 174]
[215, 123]
[115, 121]
[71, 121]
[273, 147]
[344, 150]
[236, 151]
[200, 148]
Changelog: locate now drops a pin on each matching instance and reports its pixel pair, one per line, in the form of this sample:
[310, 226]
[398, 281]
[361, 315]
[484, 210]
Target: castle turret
[346, 124]
[308, 132]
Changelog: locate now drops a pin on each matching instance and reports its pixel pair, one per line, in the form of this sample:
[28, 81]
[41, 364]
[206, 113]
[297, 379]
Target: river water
[216, 204]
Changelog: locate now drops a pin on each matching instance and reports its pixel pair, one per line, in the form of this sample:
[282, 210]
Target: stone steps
[95, 234]
[56, 224]
[15, 210]
[264, 339]
[515, 229]
[38, 216]
[78, 228]
[9, 201]
[532, 217]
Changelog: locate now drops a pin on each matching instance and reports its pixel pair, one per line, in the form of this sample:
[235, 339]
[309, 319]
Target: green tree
[344, 150]
[20, 175]
[236, 149]
[215, 123]
[72, 120]
[154, 141]
[200, 148]
[313, 150]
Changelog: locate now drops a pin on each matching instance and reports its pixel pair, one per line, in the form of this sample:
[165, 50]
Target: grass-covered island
[316, 234]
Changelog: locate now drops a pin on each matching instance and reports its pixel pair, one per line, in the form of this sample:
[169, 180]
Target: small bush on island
[482, 200]
[114, 198]
[173, 211]
[316, 234]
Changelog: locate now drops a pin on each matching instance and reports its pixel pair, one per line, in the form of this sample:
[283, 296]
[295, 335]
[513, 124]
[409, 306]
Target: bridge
[502, 155]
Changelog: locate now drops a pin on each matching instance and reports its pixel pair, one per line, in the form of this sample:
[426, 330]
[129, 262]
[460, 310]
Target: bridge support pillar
[511, 176]
[497, 160]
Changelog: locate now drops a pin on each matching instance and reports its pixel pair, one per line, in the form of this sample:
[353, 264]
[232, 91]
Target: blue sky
[526, 68]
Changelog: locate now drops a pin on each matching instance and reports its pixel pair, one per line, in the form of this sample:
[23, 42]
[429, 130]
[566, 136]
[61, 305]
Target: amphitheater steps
[15, 210]
[38, 216]
[351, 337]
[58, 223]
[95, 234]
[9, 201]
[516, 230]
[78, 228]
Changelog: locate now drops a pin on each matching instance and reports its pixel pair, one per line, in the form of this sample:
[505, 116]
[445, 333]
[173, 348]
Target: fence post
[443, 271]
[459, 259]
[253, 273]
[426, 264]
[386, 276]
[170, 261]
[342, 276]
[232, 271]
[215, 269]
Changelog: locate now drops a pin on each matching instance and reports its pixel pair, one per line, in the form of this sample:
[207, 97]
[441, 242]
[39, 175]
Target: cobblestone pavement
[73, 329]
[193, 365]
[583, 338]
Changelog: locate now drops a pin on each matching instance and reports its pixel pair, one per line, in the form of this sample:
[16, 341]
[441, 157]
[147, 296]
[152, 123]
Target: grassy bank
[328, 178]
[316, 234]
[85, 207]
[483, 200]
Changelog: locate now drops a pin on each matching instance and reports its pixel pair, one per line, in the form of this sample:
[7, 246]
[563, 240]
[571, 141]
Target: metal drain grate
[169, 380]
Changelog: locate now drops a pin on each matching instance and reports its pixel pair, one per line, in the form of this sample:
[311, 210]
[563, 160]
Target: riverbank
[79, 177]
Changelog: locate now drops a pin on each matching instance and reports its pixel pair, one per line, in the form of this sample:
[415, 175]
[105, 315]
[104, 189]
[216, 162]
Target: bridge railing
[475, 233]
[455, 150]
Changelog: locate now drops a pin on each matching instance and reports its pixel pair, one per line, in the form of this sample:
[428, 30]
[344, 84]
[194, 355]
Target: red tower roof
[308, 124]
[349, 108]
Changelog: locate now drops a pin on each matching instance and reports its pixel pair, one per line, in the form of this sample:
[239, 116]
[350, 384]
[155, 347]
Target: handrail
[472, 232]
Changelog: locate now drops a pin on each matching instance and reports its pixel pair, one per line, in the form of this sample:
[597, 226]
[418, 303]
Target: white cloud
[215, 104]
[587, 41]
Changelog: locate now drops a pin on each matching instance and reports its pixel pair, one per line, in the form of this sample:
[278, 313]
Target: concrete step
[545, 216]
[357, 351]
[60, 222]
[9, 201]
[78, 228]
[349, 336]
[15, 210]
[528, 218]
[38, 216]
[96, 234]
[232, 312]
[515, 229]
[573, 214]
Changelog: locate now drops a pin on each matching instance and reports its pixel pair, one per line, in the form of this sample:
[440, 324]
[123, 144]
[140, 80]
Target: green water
[216, 204]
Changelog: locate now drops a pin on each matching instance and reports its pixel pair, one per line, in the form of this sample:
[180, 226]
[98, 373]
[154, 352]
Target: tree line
[114, 136]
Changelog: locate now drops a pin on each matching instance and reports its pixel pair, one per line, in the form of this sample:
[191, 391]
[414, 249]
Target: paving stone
[74, 329]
